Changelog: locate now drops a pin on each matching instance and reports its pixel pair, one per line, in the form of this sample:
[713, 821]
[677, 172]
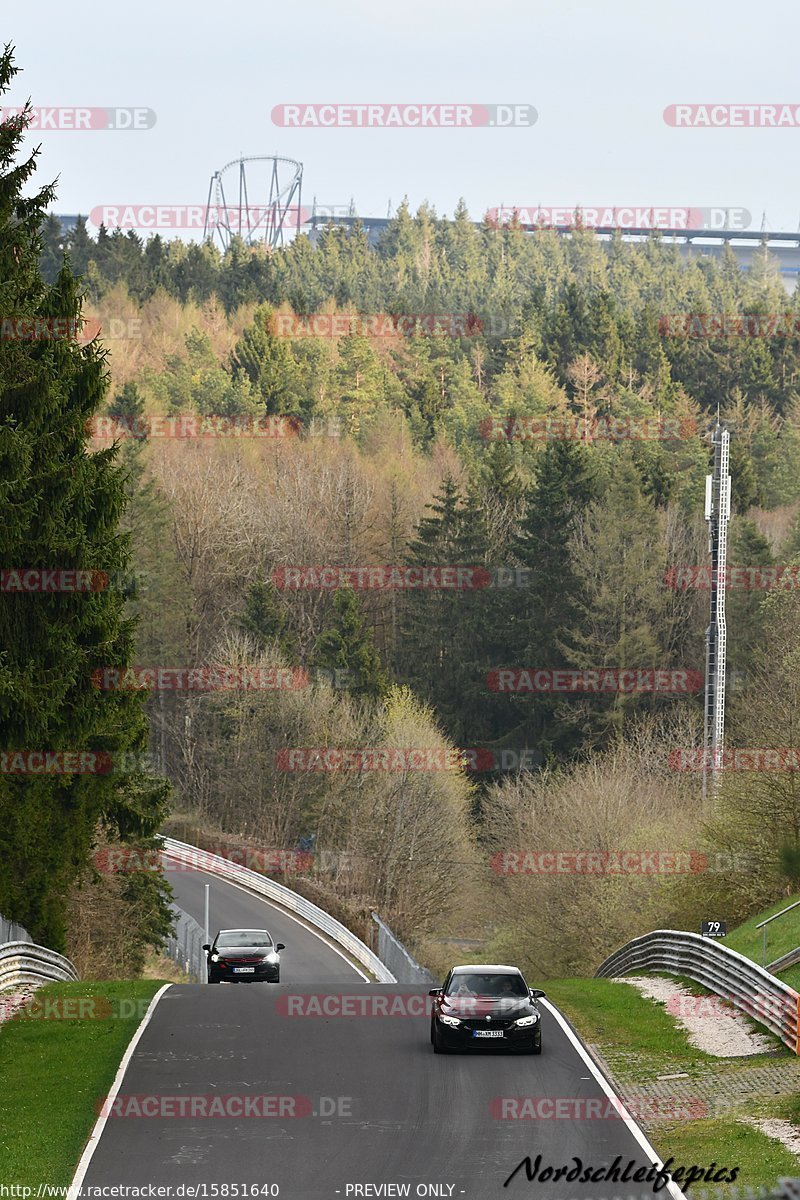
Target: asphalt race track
[354, 1100]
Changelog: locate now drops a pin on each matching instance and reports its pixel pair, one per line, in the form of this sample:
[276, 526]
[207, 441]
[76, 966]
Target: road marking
[99, 1126]
[639, 1134]
[292, 917]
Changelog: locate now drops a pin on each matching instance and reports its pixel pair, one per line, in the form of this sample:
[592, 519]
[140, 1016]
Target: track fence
[394, 955]
[185, 948]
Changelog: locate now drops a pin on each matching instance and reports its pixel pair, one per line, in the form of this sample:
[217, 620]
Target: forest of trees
[411, 446]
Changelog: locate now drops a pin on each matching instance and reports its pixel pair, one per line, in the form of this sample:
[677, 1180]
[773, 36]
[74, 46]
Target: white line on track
[639, 1134]
[94, 1137]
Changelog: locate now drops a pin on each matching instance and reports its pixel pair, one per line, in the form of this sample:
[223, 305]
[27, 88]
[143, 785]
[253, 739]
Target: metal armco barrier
[785, 961]
[27, 963]
[201, 860]
[10, 931]
[394, 955]
[186, 947]
[748, 987]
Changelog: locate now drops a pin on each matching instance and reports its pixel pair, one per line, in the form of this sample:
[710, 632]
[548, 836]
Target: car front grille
[482, 1023]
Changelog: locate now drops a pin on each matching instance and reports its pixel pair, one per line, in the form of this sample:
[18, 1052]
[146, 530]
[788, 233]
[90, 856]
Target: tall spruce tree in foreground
[61, 506]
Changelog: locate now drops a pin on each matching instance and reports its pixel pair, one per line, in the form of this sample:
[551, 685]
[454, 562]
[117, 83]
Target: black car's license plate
[487, 1033]
[244, 970]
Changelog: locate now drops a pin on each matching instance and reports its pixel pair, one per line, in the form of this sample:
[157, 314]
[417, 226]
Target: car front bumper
[456, 1037]
[263, 973]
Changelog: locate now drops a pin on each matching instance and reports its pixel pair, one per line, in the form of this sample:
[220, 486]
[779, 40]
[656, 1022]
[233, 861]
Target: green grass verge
[639, 1040]
[761, 1160]
[55, 1072]
[782, 936]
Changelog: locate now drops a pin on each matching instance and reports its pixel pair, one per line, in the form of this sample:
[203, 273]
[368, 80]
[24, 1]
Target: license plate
[487, 1033]
[244, 970]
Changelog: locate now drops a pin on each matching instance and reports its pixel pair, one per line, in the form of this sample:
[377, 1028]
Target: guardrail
[768, 921]
[26, 963]
[10, 931]
[785, 961]
[748, 987]
[284, 898]
[186, 947]
[393, 953]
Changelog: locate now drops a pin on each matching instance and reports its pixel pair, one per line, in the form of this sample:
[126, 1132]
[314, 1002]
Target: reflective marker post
[207, 939]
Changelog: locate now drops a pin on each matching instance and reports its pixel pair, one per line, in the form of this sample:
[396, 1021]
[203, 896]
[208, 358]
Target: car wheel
[537, 1048]
[211, 979]
[438, 1043]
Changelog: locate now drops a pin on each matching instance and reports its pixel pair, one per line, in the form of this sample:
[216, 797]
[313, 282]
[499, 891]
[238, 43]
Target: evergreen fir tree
[346, 649]
[265, 620]
[62, 507]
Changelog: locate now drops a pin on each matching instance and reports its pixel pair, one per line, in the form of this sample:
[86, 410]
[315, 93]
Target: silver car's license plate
[244, 970]
[487, 1033]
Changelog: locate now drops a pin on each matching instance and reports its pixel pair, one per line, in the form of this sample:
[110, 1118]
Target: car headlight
[215, 958]
[523, 1022]
[450, 1020]
[272, 957]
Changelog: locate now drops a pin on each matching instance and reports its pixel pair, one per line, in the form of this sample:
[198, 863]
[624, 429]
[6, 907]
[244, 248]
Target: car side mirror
[435, 992]
[280, 946]
[207, 946]
[535, 993]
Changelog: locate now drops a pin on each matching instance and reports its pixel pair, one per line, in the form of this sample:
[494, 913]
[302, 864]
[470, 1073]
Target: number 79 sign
[713, 928]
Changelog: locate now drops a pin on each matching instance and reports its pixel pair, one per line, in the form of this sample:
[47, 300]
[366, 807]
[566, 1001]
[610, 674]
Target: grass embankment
[640, 1041]
[56, 1069]
[782, 936]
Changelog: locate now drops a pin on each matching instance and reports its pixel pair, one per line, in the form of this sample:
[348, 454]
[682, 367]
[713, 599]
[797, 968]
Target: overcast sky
[598, 74]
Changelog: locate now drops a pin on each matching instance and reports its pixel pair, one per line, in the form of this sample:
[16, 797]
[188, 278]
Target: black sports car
[485, 1006]
[244, 955]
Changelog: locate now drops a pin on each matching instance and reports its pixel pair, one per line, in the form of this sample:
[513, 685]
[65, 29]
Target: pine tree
[268, 362]
[265, 620]
[80, 246]
[127, 409]
[542, 619]
[748, 548]
[62, 506]
[347, 649]
[52, 258]
[443, 654]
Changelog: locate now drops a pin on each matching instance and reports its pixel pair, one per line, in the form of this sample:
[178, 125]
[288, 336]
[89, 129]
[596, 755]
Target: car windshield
[488, 984]
[244, 937]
